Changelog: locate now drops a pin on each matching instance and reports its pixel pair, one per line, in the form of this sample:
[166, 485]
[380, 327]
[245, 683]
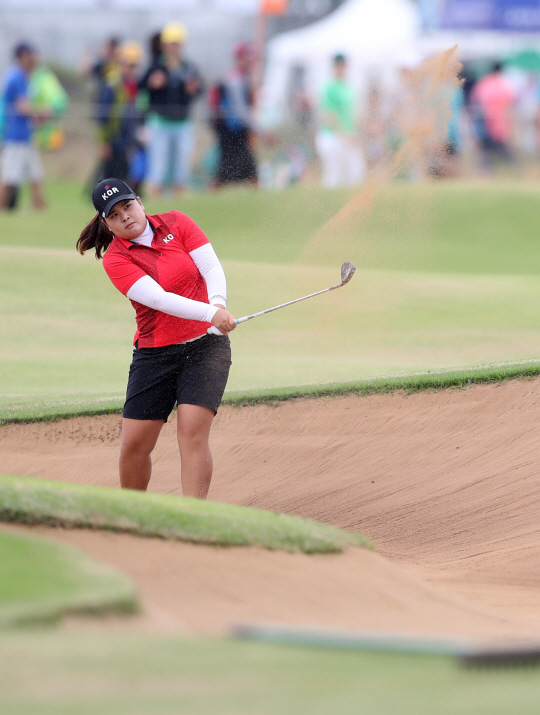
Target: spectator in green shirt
[337, 142]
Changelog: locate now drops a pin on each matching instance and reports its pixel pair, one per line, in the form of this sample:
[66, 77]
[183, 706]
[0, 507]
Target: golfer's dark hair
[97, 235]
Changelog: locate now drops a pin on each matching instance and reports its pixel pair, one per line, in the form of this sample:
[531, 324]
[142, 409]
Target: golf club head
[347, 272]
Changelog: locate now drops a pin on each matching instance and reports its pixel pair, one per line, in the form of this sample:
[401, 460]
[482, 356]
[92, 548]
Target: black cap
[108, 193]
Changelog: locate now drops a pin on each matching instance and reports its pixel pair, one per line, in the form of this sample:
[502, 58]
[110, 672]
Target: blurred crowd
[144, 113]
[485, 119]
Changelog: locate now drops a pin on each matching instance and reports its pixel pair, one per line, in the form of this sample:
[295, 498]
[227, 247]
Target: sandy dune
[446, 483]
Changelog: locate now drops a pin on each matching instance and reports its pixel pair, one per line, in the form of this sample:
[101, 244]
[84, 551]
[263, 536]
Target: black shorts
[193, 373]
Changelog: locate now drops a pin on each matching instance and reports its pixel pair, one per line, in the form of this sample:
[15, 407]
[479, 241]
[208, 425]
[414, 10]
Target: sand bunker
[446, 484]
[187, 588]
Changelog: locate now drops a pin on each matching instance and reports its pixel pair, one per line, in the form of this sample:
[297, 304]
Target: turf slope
[37, 501]
[42, 581]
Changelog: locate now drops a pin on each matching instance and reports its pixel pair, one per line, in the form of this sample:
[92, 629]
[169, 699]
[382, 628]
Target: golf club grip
[212, 330]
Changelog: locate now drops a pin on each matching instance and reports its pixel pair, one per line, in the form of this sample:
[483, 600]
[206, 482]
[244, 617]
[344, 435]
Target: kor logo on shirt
[168, 238]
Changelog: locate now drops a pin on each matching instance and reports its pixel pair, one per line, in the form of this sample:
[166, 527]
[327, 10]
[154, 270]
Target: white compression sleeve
[212, 271]
[151, 294]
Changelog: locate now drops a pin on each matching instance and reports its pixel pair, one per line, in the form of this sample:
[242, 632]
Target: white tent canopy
[375, 35]
[363, 29]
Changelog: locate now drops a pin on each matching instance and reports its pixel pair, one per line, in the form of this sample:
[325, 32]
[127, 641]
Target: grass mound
[35, 501]
[41, 581]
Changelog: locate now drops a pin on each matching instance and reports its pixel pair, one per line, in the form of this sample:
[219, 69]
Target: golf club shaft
[284, 305]
[214, 331]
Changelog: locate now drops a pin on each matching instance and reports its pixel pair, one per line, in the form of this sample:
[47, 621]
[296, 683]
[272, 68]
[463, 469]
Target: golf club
[347, 272]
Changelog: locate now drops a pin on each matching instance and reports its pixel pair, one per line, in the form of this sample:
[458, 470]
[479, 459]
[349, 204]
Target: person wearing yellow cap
[117, 114]
[173, 84]
[173, 34]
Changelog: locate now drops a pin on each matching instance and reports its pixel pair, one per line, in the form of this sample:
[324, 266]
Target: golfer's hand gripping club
[347, 272]
[223, 322]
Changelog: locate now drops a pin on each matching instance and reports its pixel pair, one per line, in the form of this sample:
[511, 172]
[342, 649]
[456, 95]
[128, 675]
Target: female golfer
[167, 268]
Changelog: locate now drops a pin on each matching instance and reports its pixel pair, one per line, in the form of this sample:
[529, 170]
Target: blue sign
[508, 15]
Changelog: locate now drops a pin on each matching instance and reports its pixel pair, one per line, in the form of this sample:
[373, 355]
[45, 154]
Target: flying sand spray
[424, 133]
[420, 119]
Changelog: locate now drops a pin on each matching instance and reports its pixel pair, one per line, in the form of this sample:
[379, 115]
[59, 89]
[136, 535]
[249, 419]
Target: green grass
[23, 412]
[450, 227]
[433, 380]
[447, 277]
[41, 581]
[37, 501]
[91, 674]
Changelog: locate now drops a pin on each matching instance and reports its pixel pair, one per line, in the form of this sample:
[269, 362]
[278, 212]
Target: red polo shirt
[168, 262]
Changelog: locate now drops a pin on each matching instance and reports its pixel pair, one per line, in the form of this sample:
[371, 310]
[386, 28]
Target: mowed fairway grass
[448, 275]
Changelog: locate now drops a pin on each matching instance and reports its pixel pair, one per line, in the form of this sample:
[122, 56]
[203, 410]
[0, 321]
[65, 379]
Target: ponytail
[95, 234]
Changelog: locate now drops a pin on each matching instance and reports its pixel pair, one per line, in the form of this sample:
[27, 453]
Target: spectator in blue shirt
[21, 162]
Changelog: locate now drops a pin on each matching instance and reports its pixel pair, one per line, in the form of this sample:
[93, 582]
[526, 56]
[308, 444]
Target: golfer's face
[127, 219]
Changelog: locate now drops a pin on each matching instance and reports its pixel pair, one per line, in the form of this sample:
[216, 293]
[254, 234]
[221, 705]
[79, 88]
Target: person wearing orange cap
[118, 116]
[173, 84]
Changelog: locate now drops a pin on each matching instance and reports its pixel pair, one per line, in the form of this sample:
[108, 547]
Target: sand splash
[418, 131]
